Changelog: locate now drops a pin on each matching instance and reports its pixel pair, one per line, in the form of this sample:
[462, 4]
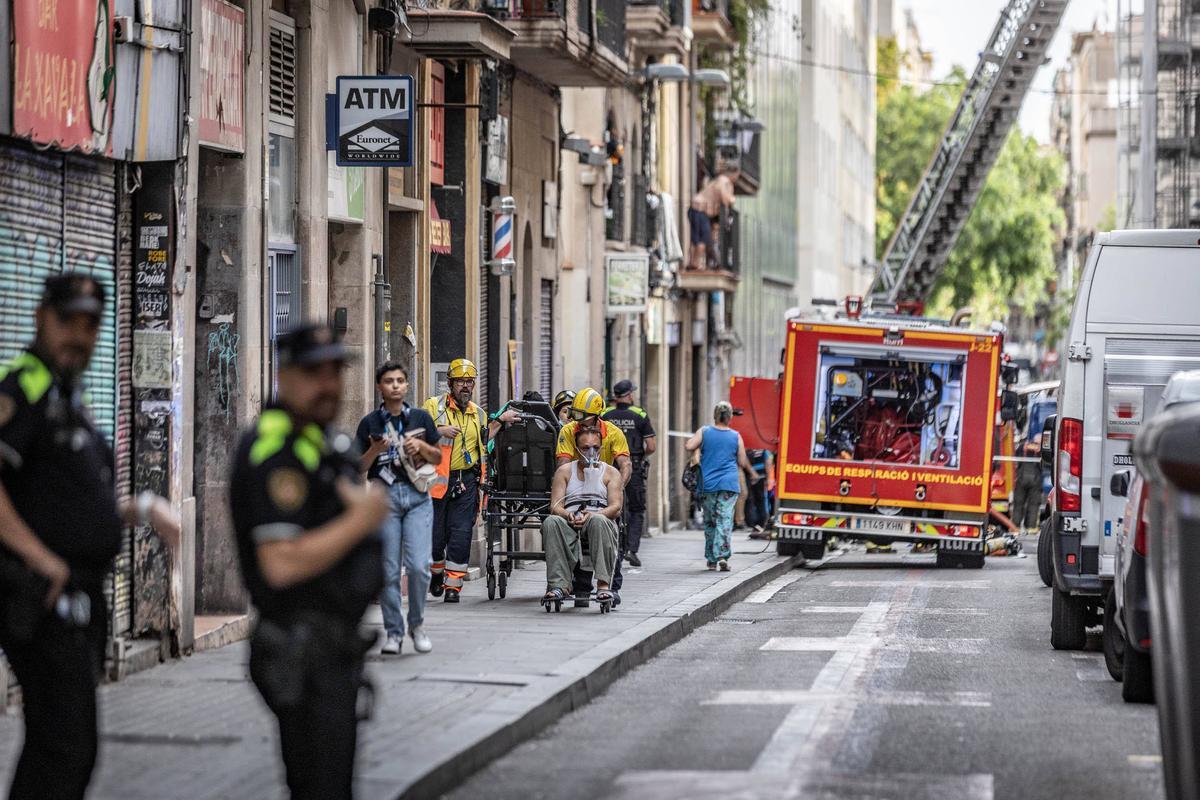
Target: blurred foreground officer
[60, 526]
[311, 558]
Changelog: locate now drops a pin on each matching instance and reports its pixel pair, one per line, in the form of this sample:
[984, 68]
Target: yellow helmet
[461, 368]
[588, 403]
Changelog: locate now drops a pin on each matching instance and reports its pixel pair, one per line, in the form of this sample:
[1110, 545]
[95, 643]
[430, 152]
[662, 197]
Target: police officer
[464, 429]
[60, 526]
[308, 543]
[634, 422]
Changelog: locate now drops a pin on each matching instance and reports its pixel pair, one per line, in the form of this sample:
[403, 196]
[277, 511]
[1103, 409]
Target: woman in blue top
[722, 454]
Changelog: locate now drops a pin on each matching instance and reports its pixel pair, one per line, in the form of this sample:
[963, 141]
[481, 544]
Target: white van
[1136, 322]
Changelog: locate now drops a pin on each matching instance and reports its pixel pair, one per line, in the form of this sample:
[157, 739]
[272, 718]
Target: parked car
[1125, 339]
[1127, 634]
[1168, 457]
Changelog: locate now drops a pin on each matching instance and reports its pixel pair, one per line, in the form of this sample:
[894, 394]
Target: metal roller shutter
[58, 213]
[89, 228]
[546, 341]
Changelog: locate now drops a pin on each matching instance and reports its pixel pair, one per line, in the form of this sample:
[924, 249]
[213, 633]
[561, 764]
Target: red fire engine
[884, 430]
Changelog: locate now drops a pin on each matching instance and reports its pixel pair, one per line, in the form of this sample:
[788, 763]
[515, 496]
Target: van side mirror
[1119, 484]
[1010, 405]
[1048, 441]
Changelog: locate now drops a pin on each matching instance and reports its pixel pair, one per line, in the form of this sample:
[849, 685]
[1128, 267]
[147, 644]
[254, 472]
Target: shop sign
[222, 33]
[64, 73]
[347, 193]
[628, 282]
[496, 168]
[439, 232]
[374, 121]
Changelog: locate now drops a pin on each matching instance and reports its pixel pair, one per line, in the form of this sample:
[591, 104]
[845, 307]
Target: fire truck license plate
[880, 524]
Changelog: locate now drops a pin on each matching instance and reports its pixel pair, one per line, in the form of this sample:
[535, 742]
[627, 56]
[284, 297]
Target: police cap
[307, 345]
[73, 293]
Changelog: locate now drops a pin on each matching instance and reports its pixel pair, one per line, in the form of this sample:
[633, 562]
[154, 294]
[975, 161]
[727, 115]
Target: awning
[449, 34]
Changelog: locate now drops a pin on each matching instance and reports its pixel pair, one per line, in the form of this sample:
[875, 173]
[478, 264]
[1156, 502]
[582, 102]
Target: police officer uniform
[306, 653]
[58, 472]
[634, 422]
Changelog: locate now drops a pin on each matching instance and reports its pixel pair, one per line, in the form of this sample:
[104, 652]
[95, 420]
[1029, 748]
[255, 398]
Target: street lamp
[666, 73]
[712, 77]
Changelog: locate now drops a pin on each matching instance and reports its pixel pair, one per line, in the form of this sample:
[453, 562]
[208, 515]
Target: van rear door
[1135, 372]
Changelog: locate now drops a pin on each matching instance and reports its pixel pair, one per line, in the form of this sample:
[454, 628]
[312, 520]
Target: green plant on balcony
[744, 16]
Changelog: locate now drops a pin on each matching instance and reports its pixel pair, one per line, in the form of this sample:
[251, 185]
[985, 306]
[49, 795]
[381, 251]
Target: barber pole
[502, 262]
[502, 236]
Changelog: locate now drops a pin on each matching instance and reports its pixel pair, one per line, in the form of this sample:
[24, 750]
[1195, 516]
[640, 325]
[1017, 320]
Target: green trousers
[564, 549]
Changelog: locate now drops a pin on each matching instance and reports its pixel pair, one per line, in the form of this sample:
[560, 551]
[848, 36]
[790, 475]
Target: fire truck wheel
[787, 548]
[1045, 556]
[812, 551]
[1068, 621]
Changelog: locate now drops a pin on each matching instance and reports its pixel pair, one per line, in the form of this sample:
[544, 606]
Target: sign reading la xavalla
[64, 73]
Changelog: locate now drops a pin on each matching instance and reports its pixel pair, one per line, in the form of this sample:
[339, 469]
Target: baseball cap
[623, 388]
[307, 345]
[73, 293]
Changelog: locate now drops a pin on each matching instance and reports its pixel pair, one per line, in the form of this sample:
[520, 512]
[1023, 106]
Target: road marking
[1089, 667]
[1145, 761]
[771, 589]
[790, 697]
[833, 609]
[922, 584]
[719, 785]
[856, 644]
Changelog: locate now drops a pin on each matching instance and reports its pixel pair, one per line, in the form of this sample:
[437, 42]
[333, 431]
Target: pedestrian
[756, 501]
[464, 430]
[396, 440]
[60, 527]
[722, 457]
[1027, 490]
[309, 546]
[635, 423]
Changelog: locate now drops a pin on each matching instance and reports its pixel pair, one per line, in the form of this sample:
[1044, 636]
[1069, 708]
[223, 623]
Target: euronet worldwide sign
[374, 121]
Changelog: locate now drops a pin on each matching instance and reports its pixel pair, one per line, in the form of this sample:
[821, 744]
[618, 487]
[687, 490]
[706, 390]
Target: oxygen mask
[591, 456]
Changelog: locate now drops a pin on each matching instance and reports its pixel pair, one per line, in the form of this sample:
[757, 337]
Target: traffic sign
[375, 121]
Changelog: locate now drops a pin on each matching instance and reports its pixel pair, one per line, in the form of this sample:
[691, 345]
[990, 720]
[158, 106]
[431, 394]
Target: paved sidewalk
[500, 671]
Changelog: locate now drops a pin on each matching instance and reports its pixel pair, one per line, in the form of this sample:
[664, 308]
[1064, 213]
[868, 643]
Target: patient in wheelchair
[585, 503]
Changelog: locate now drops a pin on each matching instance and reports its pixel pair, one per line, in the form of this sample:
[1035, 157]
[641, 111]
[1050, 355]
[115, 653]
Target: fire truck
[884, 428]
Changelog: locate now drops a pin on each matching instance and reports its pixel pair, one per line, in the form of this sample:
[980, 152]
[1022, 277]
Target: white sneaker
[392, 646]
[420, 640]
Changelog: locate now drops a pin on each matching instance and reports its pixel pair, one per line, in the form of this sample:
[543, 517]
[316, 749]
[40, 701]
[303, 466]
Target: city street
[870, 676]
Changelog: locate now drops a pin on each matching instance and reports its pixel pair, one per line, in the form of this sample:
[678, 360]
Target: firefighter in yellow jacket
[464, 430]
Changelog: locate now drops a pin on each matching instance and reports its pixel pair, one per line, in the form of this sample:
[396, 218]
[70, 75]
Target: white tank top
[588, 492]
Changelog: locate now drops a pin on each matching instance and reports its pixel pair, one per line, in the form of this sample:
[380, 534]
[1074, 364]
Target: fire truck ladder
[950, 186]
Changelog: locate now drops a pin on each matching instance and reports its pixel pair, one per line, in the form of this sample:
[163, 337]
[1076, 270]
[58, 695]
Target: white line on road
[921, 584]
[773, 588]
[790, 697]
[833, 609]
[1152, 762]
[941, 612]
[852, 643]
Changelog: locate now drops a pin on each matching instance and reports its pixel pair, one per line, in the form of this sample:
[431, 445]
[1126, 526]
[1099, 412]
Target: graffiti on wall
[223, 364]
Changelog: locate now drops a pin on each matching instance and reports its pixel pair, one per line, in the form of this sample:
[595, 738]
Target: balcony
[710, 22]
[738, 147]
[655, 27]
[555, 41]
[721, 263]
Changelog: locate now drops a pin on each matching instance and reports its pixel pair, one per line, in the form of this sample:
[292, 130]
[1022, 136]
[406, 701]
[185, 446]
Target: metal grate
[614, 226]
[546, 341]
[283, 69]
[286, 308]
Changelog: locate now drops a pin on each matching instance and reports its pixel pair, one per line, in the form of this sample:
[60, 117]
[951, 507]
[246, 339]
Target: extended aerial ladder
[918, 250]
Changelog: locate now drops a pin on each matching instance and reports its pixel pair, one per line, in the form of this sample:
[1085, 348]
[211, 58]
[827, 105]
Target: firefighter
[562, 405]
[311, 557]
[465, 429]
[60, 526]
[635, 423]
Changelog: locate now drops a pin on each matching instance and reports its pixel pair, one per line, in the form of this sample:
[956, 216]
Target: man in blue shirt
[388, 437]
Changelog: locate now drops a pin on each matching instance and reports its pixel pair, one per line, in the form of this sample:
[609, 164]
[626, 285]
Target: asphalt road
[870, 676]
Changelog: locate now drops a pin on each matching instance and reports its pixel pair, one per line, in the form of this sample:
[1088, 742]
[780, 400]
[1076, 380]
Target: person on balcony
[706, 210]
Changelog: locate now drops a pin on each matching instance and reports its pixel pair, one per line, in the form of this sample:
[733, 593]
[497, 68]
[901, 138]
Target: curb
[583, 679]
